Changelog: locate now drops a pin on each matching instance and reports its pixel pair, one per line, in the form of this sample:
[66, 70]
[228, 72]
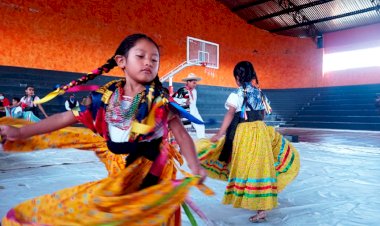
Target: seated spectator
[71, 103]
[16, 111]
[4, 102]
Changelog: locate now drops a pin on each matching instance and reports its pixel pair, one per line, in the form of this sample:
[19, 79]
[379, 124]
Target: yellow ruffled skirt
[115, 200]
[263, 162]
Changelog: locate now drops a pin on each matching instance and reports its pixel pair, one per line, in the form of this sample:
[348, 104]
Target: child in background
[254, 159]
[16, 111]
[4, 102]
[28, 102]
[130, 119]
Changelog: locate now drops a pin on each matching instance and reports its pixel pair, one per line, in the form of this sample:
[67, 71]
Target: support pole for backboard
[171, 91]
[198, 53]
[175, 71]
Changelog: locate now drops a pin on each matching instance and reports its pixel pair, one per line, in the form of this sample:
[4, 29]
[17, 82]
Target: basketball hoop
[204, 64]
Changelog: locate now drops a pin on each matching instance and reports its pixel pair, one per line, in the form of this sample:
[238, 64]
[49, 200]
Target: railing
[177, 69]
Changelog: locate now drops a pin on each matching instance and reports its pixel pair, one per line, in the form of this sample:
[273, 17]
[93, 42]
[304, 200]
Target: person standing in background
[71, 103]
[377, 102]
[4, 102]
[27, 102]
[187, 98]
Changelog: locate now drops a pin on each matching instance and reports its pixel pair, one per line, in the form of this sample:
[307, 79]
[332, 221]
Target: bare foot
[259, 217]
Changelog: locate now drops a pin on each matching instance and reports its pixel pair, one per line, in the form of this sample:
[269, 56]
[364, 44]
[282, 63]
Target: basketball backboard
[202, 53]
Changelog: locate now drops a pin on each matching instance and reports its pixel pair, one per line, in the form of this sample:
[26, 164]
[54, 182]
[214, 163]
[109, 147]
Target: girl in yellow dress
[128, 121]
[255, 160]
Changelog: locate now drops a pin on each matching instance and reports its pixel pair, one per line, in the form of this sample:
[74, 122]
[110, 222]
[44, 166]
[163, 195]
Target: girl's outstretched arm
[187, 147]
[55, 122]
[42, 110]
[225, 124]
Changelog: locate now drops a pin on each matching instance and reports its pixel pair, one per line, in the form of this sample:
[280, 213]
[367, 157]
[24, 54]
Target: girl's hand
[199, 171]
[10, 133]
[215, 138]
[202, 174]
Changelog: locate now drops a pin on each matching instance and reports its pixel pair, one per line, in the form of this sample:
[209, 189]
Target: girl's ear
[121, 61]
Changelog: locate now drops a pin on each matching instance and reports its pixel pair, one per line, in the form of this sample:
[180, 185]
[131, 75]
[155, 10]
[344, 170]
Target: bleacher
[286, 103]
[14, 81]
[211, 100]
[346, 107]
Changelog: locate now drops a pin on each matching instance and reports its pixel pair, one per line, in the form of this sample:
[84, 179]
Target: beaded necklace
[119, 112]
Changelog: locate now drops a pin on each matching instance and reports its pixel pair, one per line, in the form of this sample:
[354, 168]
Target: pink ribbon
[82, 88]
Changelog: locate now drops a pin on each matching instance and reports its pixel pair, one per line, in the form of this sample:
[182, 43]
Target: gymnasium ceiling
[306, 18]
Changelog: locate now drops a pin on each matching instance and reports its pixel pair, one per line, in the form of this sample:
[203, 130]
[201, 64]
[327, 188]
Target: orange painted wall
[79, 35]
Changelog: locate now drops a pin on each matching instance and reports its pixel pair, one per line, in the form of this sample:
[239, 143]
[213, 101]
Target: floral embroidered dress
[256, 161]
[141, 188]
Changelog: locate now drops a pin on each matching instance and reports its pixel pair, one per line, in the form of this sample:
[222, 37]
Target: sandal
[259, 217]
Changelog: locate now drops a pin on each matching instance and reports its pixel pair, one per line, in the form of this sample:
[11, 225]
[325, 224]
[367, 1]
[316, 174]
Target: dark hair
[123, 49]
[244, 72]
[16, 99]
[29, 86]
[155, 87]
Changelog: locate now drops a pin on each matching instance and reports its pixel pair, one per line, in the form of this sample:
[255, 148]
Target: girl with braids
[254, 159]
[129, 121]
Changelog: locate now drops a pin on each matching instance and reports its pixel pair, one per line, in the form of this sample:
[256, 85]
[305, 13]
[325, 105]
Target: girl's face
[14, 102]
[142, 63]
[29, 91]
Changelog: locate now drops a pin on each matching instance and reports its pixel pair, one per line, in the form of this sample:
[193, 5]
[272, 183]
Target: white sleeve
[232, 101]
[195, 96]
[22, 99]
[18, 112]
[67, 105]
[18, 109]
[36, 98]
[180, 101]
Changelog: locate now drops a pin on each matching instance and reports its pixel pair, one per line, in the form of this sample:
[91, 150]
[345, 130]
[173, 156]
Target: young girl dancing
[129, 121]
[254, 159]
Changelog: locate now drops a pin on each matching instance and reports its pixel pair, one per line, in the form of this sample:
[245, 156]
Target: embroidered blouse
[254, 98]
[110, 114]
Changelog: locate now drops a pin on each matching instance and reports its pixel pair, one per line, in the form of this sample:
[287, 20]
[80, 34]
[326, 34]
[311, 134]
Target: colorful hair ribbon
[82, 88]
[50, 96]
[198, 211]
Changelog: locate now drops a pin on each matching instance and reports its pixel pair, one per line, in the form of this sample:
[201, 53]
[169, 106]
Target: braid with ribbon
[244, 73]
[123, 49]
[111, 63]
[152, 91]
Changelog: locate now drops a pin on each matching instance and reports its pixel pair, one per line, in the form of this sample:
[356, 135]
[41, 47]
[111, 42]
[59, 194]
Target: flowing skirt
[263, 162]
[115, 200]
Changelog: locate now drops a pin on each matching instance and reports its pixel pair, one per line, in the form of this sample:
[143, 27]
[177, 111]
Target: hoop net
[209, 71]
